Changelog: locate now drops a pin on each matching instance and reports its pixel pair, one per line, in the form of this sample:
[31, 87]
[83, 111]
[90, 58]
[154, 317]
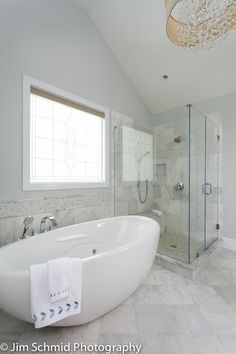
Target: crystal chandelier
[199, 24]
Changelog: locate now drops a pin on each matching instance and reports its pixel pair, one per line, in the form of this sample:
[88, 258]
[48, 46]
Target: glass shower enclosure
[168, 167]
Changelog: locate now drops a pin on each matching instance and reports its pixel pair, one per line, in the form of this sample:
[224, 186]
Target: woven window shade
[65, 101]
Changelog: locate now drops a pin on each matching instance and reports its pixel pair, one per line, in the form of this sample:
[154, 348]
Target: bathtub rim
[91, 258]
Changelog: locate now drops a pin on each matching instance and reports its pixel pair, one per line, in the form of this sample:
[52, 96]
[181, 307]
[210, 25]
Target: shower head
[178, 139]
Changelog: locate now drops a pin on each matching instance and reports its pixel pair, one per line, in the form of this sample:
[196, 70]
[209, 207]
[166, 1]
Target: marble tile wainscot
[67, 211]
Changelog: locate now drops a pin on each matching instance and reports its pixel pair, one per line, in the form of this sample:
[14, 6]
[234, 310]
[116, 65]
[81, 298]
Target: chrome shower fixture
[178, 139]
[139, 180]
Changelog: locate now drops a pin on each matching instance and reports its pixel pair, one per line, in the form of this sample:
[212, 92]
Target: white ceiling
[135, 32]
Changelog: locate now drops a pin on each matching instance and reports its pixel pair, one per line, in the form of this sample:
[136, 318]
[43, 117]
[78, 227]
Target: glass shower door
[204, 176]
[212, 180]
[197, 182]
[171, 183]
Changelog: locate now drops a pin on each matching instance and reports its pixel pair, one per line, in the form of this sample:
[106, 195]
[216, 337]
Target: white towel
[43, 311]
[58, 279]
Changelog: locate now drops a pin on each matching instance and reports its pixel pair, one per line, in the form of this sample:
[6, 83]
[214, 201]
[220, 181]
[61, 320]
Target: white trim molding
[29, 82]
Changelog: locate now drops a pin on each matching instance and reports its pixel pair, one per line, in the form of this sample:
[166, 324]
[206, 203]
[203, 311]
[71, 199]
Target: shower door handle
[207, 188]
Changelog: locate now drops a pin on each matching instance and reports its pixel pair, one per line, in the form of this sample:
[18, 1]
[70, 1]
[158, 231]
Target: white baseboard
[229, 243]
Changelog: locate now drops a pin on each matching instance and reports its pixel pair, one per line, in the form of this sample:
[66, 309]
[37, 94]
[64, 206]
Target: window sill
[63, 186]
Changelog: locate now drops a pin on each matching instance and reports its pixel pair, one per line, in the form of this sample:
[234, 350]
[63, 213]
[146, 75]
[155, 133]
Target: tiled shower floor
[168, 314]
[176, 246]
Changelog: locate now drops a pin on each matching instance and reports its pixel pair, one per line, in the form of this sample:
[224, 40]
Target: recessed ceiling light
[165, 77]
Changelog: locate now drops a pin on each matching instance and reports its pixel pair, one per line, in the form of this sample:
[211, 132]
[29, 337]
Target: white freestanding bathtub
[117, 254]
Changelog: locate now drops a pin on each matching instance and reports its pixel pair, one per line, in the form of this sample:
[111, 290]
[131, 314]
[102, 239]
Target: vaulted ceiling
[135, 32]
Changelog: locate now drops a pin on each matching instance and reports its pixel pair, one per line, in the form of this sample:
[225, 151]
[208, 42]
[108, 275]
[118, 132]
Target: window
[65, 140]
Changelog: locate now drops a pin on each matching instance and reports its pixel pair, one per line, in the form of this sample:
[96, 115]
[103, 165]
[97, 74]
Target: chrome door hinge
[207, 188]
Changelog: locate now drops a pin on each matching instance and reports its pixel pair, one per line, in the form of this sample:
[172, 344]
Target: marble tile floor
[168, 314]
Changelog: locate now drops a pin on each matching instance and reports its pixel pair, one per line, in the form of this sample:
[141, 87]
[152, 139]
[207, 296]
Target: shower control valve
[179, 187]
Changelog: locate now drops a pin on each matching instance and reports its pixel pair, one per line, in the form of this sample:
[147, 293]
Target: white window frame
[28, 82]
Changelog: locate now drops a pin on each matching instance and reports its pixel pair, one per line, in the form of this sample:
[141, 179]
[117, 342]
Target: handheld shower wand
[139, 182]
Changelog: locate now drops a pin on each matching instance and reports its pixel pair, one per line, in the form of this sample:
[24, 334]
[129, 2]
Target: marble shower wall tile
[39, 206]
[65, 217]
[126, 192]
[93, 213]
[11, 228]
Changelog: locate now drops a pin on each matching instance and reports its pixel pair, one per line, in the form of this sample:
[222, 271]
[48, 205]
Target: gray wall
[55, 42]
[226, 105]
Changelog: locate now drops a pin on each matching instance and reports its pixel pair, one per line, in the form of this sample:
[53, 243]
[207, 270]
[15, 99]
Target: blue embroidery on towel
[68, 307]
[51, 312]
[60, 310]
[43, 314]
